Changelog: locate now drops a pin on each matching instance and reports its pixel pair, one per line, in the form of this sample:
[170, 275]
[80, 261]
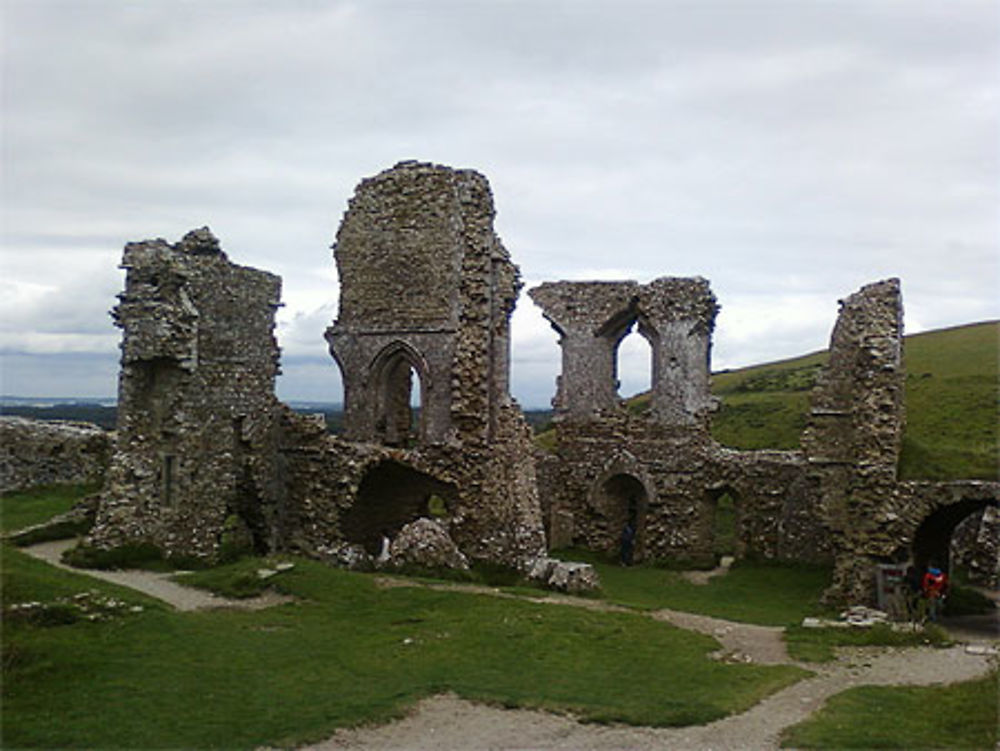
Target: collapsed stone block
[564, 576]
[426, 544]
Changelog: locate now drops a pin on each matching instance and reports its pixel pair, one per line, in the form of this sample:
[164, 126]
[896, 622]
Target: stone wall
[196, 452]
[855, 430]
[658, 470]
[42, 452]
[676, 316]
[206, 454]
[975, 547]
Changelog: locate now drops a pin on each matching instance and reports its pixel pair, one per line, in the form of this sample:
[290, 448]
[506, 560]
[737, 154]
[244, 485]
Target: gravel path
[447, 723]
[154, 584]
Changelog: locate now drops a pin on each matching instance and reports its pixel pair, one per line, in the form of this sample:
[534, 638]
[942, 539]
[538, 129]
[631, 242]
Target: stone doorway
[723, 517]
[623, 498]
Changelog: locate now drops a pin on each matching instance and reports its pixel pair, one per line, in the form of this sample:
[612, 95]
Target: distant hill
[951, 403]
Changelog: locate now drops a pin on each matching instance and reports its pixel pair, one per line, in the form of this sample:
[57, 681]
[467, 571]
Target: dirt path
[447, 723]
[154, 584]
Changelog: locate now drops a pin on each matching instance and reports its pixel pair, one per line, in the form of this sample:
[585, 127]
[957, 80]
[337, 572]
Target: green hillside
[951, 403]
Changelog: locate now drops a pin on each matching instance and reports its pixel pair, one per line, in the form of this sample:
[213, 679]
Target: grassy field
[959, 716]
[769, 594]
[36, 505]
[346, 652]
[951, 403]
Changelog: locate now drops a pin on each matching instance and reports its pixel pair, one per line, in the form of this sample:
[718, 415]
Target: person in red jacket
[935, 588]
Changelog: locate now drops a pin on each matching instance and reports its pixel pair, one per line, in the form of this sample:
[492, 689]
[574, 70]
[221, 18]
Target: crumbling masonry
[208, 460]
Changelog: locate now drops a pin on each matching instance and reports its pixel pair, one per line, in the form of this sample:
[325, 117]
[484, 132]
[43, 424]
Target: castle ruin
[208, 458]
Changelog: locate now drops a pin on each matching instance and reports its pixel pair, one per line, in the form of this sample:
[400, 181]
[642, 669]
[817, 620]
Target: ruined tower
[195, 455]
[426, 293]
[422, 341]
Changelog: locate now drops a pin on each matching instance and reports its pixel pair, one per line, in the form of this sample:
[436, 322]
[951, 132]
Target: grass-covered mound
[26, 508]
[951, 403]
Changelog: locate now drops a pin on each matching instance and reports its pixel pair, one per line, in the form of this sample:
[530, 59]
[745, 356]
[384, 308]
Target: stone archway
[932, 538]
[621, 498]
[390, 496]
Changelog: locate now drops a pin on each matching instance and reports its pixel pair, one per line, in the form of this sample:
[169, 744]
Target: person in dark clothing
[628, 543]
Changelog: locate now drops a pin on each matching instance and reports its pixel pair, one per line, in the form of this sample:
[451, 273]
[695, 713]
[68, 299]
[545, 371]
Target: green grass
[951, 403]
[345, 653]
[957, 716]
[771, 594]
[818, 644]
[28, 507]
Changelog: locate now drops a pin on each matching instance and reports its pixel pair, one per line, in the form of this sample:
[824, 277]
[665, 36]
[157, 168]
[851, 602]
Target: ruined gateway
[208, 459]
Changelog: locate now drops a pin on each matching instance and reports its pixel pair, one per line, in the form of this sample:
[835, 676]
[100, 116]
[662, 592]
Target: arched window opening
[399, 402]
[633, 365]
[390, 496]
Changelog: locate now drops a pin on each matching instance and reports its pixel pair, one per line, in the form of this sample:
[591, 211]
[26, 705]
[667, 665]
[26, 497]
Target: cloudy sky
[788, 151]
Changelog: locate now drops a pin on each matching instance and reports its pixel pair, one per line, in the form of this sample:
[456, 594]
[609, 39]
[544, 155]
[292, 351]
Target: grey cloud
[781, 150]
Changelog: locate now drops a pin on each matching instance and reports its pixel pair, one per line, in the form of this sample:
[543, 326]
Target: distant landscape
[951, 404]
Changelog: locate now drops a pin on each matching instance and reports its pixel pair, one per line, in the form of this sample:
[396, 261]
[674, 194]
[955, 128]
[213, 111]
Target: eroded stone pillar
[855, 433]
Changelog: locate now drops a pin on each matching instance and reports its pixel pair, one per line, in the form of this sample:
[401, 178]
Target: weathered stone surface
[658, 470]
[42, 452]
[975, 547]
[564, 576]
[427, 290]
[426, 543]
[197, 415]
[206, 455]
[675, 315]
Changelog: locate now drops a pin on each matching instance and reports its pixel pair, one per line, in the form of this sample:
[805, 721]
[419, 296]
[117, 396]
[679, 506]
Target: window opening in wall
[399, 404]
[633, 365]
[169, 478]
[724, 526]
